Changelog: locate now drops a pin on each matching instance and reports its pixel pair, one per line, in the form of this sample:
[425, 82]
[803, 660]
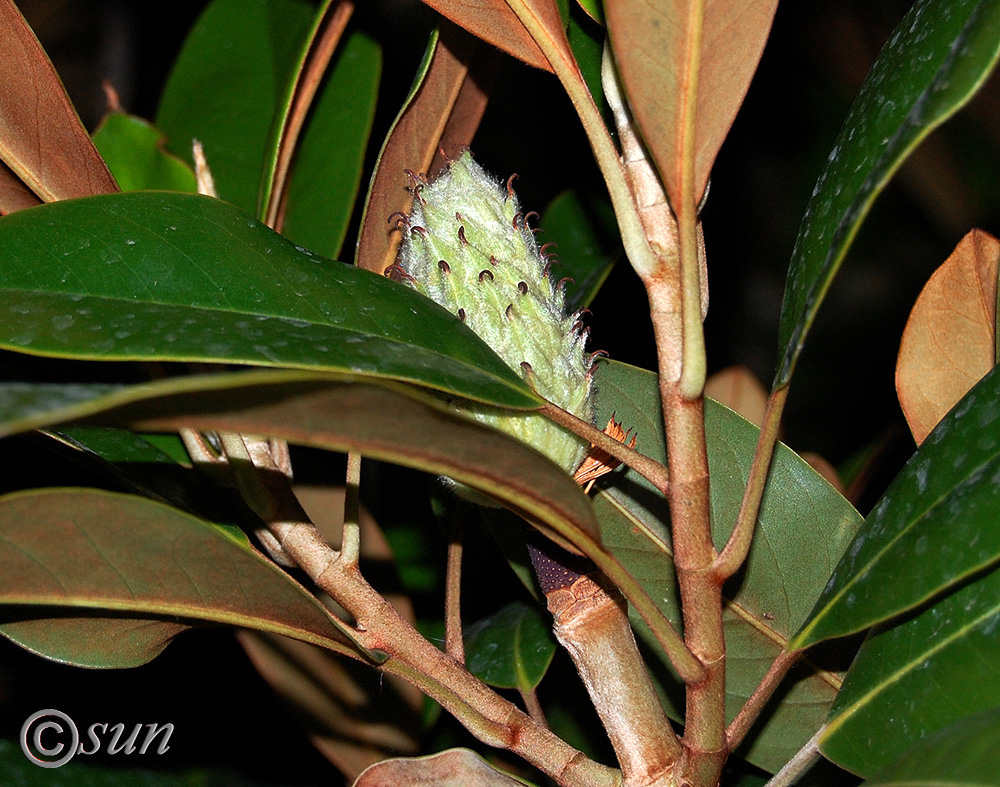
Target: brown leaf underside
[41, 137]
[494, 22]
[949, 341]
[652, 42]
[444, 114]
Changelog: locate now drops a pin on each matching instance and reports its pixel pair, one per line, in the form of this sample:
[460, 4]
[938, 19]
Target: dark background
[842, 399]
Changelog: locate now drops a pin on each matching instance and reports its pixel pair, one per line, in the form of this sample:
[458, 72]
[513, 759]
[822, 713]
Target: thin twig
[748, 714]
[490, 717]
[799, 764]
[685, 205]
[656, 473]
[350, 542]
[738, 545]
[388, 639]
[454, 645]
[533, 706]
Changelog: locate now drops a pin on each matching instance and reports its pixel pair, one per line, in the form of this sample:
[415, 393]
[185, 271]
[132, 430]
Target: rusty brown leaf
[42, 140]
[14, 195]
[686, 66]
[950, 339]
[442, 114]
[494, 22]
[739, 389]
[452, 768]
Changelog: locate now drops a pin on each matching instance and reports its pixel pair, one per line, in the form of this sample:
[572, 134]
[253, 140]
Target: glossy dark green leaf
[586, 39]
[935, 525]
[936, 59]
[115, 445]
[917, 677]
[804, 526]
[160, 276]
[586, 232]
[134, 152]
[227, 83]
[512, 648]
[330, 157]
[25, 406]
[964, 754]
[100, 579]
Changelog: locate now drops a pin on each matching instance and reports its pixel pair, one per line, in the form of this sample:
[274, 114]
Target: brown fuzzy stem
[487, 715]
[591, 623]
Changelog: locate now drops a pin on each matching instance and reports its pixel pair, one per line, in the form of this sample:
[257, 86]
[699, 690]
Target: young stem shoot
[654, 472]
[350, 543]
[453, 643]
[738, 545]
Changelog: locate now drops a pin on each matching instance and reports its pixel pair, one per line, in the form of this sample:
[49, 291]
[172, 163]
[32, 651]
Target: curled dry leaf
[950, 339]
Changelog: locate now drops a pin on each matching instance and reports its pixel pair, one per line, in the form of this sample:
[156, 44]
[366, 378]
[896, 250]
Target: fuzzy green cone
[467, 246]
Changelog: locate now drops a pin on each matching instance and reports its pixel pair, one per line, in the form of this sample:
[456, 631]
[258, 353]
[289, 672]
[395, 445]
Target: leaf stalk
[738, 546]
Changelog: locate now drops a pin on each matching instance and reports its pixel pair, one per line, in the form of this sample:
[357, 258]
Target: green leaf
[160, 276]
[99, 579]
[136, 463]
[512, 648]
[588, 243]
[330, 156]
[226, 85]
[938, 56]
[134, 151]
[586, 39]
[935, 525]
[26, 406]
[393, 423]
[116, 445]
[804, 526]
[593, 9]
[964, 754]
[914, 679]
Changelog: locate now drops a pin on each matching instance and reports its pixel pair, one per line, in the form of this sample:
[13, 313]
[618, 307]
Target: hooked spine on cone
[467, 245]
